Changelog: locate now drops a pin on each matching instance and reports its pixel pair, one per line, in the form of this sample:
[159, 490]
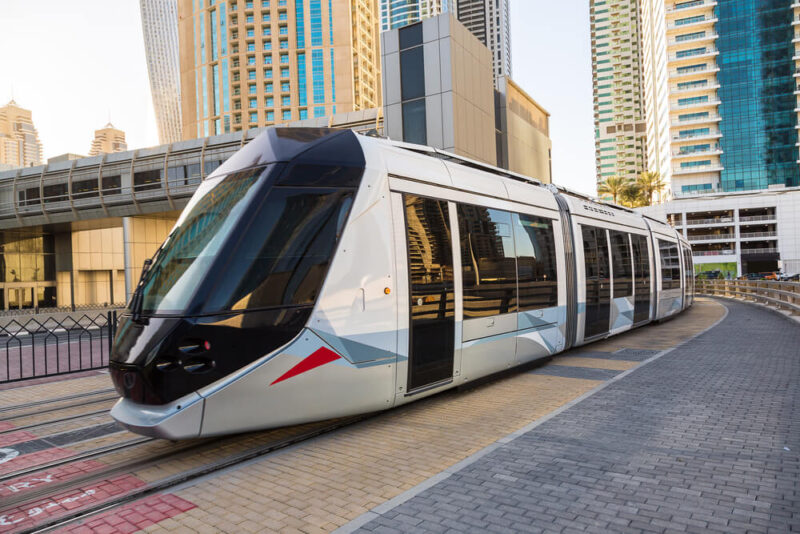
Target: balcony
[714, 150]
[705, 70]
[691, 25]
[702, 120]
[699, 193]
[682, 171]
[688, 7]
[707, 37]
[674, 58]
[696, 137]
[712, 237]
[674, 90]
[690, 105]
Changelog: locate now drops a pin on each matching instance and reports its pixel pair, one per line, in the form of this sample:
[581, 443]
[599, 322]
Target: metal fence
[781, 295]
[41, 347]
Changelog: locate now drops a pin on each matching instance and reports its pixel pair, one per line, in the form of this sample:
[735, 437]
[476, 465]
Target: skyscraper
[488, 21]
[397, 13]
[19, 140]
[720, 91]
[249, 63]
[617, 85]
[108, 140]
[160, 30]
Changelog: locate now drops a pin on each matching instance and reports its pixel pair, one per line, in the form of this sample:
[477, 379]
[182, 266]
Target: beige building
[19, 140]
[524, 144]
[620, 142]
[108, 140]
[252, 63]
[438, 88]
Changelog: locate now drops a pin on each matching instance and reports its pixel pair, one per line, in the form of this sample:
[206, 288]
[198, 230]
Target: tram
[319, 273]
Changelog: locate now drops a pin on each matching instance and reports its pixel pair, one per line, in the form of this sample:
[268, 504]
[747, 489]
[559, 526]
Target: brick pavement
[703, 439]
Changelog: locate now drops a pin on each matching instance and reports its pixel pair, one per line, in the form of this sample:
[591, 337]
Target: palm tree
[650, 183]
[613, 186]
[632, 196]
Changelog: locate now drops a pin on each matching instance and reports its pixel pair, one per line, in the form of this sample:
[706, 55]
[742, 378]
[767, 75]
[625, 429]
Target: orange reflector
[386, 290]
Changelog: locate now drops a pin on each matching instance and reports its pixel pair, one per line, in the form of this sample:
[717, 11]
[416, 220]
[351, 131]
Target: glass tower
[398, 13]
[756, 90]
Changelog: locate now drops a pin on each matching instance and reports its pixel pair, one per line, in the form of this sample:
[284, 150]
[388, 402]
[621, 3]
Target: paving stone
[694, 441]
[576, 372]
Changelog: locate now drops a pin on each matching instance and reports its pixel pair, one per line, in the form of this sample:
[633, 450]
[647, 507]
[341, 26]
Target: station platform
[686, 426]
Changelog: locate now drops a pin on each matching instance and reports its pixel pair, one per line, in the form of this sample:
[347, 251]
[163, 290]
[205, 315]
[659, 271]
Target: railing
[39, 348]
[780, 295]
[768, 250]
[711, 237]
[718, 220]
[712, 252]
[749, 235]
[756, 218]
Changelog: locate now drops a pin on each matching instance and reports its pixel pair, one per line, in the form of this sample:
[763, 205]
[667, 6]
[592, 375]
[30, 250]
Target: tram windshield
[254, 239]
[186, 256]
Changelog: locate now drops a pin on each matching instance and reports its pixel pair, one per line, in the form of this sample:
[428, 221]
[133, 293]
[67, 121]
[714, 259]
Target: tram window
[536, 262]
[621, 258]
[488, 262]
[284, 255]
[670, 265]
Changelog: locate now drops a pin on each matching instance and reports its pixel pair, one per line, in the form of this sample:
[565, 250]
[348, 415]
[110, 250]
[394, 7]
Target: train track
[180, 452]
[53, 421]
[5, 409]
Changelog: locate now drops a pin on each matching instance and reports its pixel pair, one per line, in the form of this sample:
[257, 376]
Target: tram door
[432, 305]
[641, 270]
[598, 283]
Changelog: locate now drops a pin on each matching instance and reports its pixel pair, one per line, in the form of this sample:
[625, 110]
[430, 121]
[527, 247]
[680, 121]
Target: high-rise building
[108, 140]
[720, 92]
[250, 63]
[488, 20]
[398, 13]
[19, 140]
[160, 31]
[617, 85]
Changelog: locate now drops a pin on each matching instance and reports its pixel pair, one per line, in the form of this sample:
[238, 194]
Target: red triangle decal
[319, 357]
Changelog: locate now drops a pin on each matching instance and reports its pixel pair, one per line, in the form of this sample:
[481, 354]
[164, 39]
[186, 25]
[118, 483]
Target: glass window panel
[412, 74]
[536, 262]
[414, 122]
[488, 261]
[621, 258]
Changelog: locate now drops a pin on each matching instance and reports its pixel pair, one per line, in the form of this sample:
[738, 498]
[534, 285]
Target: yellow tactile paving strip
[701, 315]
[594, 363]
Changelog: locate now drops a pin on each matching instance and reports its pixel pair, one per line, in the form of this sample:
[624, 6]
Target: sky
[76, 65]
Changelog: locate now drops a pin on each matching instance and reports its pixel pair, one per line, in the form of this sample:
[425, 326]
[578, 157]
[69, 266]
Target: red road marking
[16, 437]
[35, 458]
[63, 473]
[132, 517]
[35, 512]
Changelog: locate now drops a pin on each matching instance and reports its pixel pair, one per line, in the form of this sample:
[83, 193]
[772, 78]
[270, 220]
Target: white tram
[319, 273]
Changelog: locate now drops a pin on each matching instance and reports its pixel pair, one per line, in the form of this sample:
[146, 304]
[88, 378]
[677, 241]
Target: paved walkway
[704, 438]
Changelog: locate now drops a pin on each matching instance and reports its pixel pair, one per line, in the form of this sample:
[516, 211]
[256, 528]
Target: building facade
[253, 63]
[108, 140]
[740, 232]
[19, 140]
[399, 13]
[438, 89]
[160, 31]
[617, 85]
[488, 20]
